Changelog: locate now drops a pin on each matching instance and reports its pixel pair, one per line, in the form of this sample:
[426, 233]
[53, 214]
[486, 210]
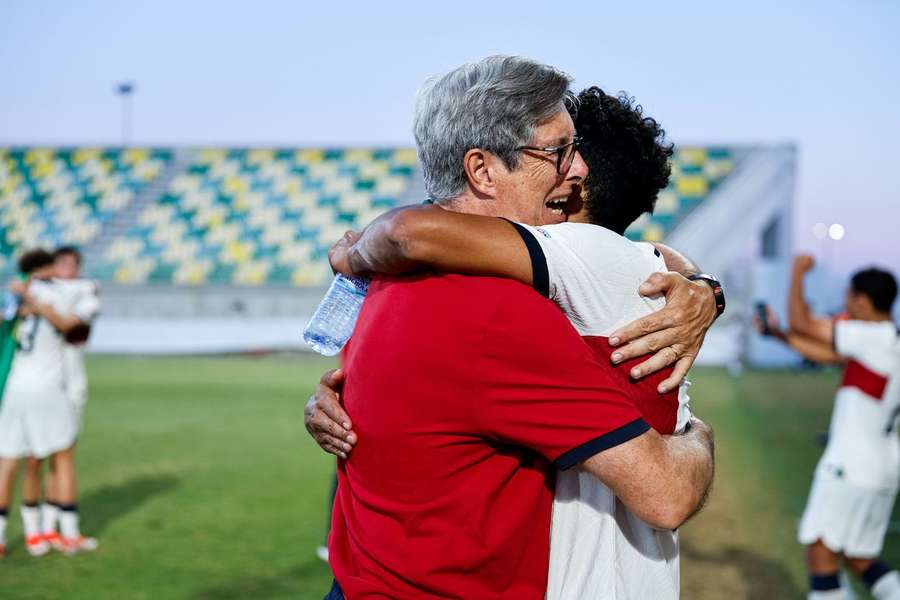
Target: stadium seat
[696, 172]
[240, 216]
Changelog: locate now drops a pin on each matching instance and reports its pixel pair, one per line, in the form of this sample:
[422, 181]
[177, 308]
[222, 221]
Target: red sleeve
[543, 388]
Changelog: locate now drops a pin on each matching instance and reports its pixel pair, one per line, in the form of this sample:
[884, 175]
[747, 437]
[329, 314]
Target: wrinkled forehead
[555, 131]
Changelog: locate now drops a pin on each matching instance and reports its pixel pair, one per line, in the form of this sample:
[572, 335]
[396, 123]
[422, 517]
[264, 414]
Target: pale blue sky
[822, 74]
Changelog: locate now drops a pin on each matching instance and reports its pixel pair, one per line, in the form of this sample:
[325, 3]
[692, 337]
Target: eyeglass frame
[559, 150]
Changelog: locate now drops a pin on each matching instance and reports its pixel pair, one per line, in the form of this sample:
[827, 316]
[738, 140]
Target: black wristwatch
[718, 293]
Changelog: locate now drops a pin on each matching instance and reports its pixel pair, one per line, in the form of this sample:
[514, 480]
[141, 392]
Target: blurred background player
[67, 271]
[855, 484]
[36, 416]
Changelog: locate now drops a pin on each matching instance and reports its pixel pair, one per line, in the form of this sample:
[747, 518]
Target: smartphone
[762, 311]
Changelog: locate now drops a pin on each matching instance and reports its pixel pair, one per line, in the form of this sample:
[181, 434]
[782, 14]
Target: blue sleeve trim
[626, 432]
[540, 274]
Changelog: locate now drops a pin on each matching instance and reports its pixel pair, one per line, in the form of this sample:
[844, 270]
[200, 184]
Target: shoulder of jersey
[582, 231]
[79, 285]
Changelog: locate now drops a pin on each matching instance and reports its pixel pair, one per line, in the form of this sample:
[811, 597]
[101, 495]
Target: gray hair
[494, 104]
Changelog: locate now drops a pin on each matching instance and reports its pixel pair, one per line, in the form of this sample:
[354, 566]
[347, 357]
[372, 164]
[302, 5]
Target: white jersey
[863, 447]
[36, 417]
[38, 361]
[86, 297]
[598, 549]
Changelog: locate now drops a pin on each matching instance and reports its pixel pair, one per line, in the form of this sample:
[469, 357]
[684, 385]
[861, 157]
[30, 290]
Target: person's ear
[480, 166]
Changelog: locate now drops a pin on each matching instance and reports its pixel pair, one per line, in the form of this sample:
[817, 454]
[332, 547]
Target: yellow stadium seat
[234, 184]
[251, 273]
[358, 155]
[43, 169]
[83, 155]
[212, 155]
[653, 233]
[134, 156]
[311, 274]
[692, 186]
[192, 273]
[260, 156]
[134, 272]
[236, 252]
[374, 170]
[309, 156]
[147, 171]
[691, 156]
[406, 156]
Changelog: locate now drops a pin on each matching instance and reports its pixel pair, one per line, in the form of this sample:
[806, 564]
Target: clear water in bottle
[11, 304]
[332, 324]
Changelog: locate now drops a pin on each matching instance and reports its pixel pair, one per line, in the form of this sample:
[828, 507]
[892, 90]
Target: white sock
[49, 517]
[887, 587]
[2, 530]
[835, 594]
[68, 523]
[31, 520]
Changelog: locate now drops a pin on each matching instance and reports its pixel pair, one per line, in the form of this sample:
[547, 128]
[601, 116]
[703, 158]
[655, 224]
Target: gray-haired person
[467, 392]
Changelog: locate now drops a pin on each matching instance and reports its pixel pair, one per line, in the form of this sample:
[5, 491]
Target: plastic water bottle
[332, 324]
[11, 304]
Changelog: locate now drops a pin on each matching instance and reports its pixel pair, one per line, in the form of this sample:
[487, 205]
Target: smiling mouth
[557, 206]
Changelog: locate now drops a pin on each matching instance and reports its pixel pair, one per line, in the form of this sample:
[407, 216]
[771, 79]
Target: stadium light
[836, 231]
[125, 89]
[820, 230]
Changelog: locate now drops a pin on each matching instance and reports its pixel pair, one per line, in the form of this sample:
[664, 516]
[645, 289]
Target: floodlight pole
[125, 90]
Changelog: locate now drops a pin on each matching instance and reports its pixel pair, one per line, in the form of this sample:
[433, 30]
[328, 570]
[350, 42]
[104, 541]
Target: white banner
[213, 335]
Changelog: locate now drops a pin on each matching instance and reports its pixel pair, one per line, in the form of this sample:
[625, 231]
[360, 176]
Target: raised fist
[804, 263]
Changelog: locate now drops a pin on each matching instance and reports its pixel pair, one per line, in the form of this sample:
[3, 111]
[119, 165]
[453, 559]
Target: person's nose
[579, 169]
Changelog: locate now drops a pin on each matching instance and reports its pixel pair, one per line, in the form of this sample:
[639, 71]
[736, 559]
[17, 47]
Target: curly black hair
[627, 155]
[33, 260]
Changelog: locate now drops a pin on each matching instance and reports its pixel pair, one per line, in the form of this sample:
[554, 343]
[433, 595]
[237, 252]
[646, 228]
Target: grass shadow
[104, 505]
[767, 579]
[288, 583]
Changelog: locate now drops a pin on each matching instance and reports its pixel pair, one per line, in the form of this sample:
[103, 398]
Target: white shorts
[848, 519]
[36, 422]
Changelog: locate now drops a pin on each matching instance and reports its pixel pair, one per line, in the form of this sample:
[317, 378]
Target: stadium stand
[257, 216]
[209, 250]
[64, 196]
[241, 216]
[696, 172]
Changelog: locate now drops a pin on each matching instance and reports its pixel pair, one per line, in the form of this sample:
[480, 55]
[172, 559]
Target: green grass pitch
[201, 483]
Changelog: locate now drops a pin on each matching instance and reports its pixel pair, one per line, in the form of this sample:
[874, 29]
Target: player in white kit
[598, 550]
[67, 273]
[855, 483]
[36, 417]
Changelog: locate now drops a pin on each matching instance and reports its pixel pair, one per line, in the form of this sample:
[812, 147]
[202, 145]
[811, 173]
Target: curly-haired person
[599, 548]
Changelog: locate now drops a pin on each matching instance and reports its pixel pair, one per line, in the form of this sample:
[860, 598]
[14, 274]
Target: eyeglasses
[565, 154]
